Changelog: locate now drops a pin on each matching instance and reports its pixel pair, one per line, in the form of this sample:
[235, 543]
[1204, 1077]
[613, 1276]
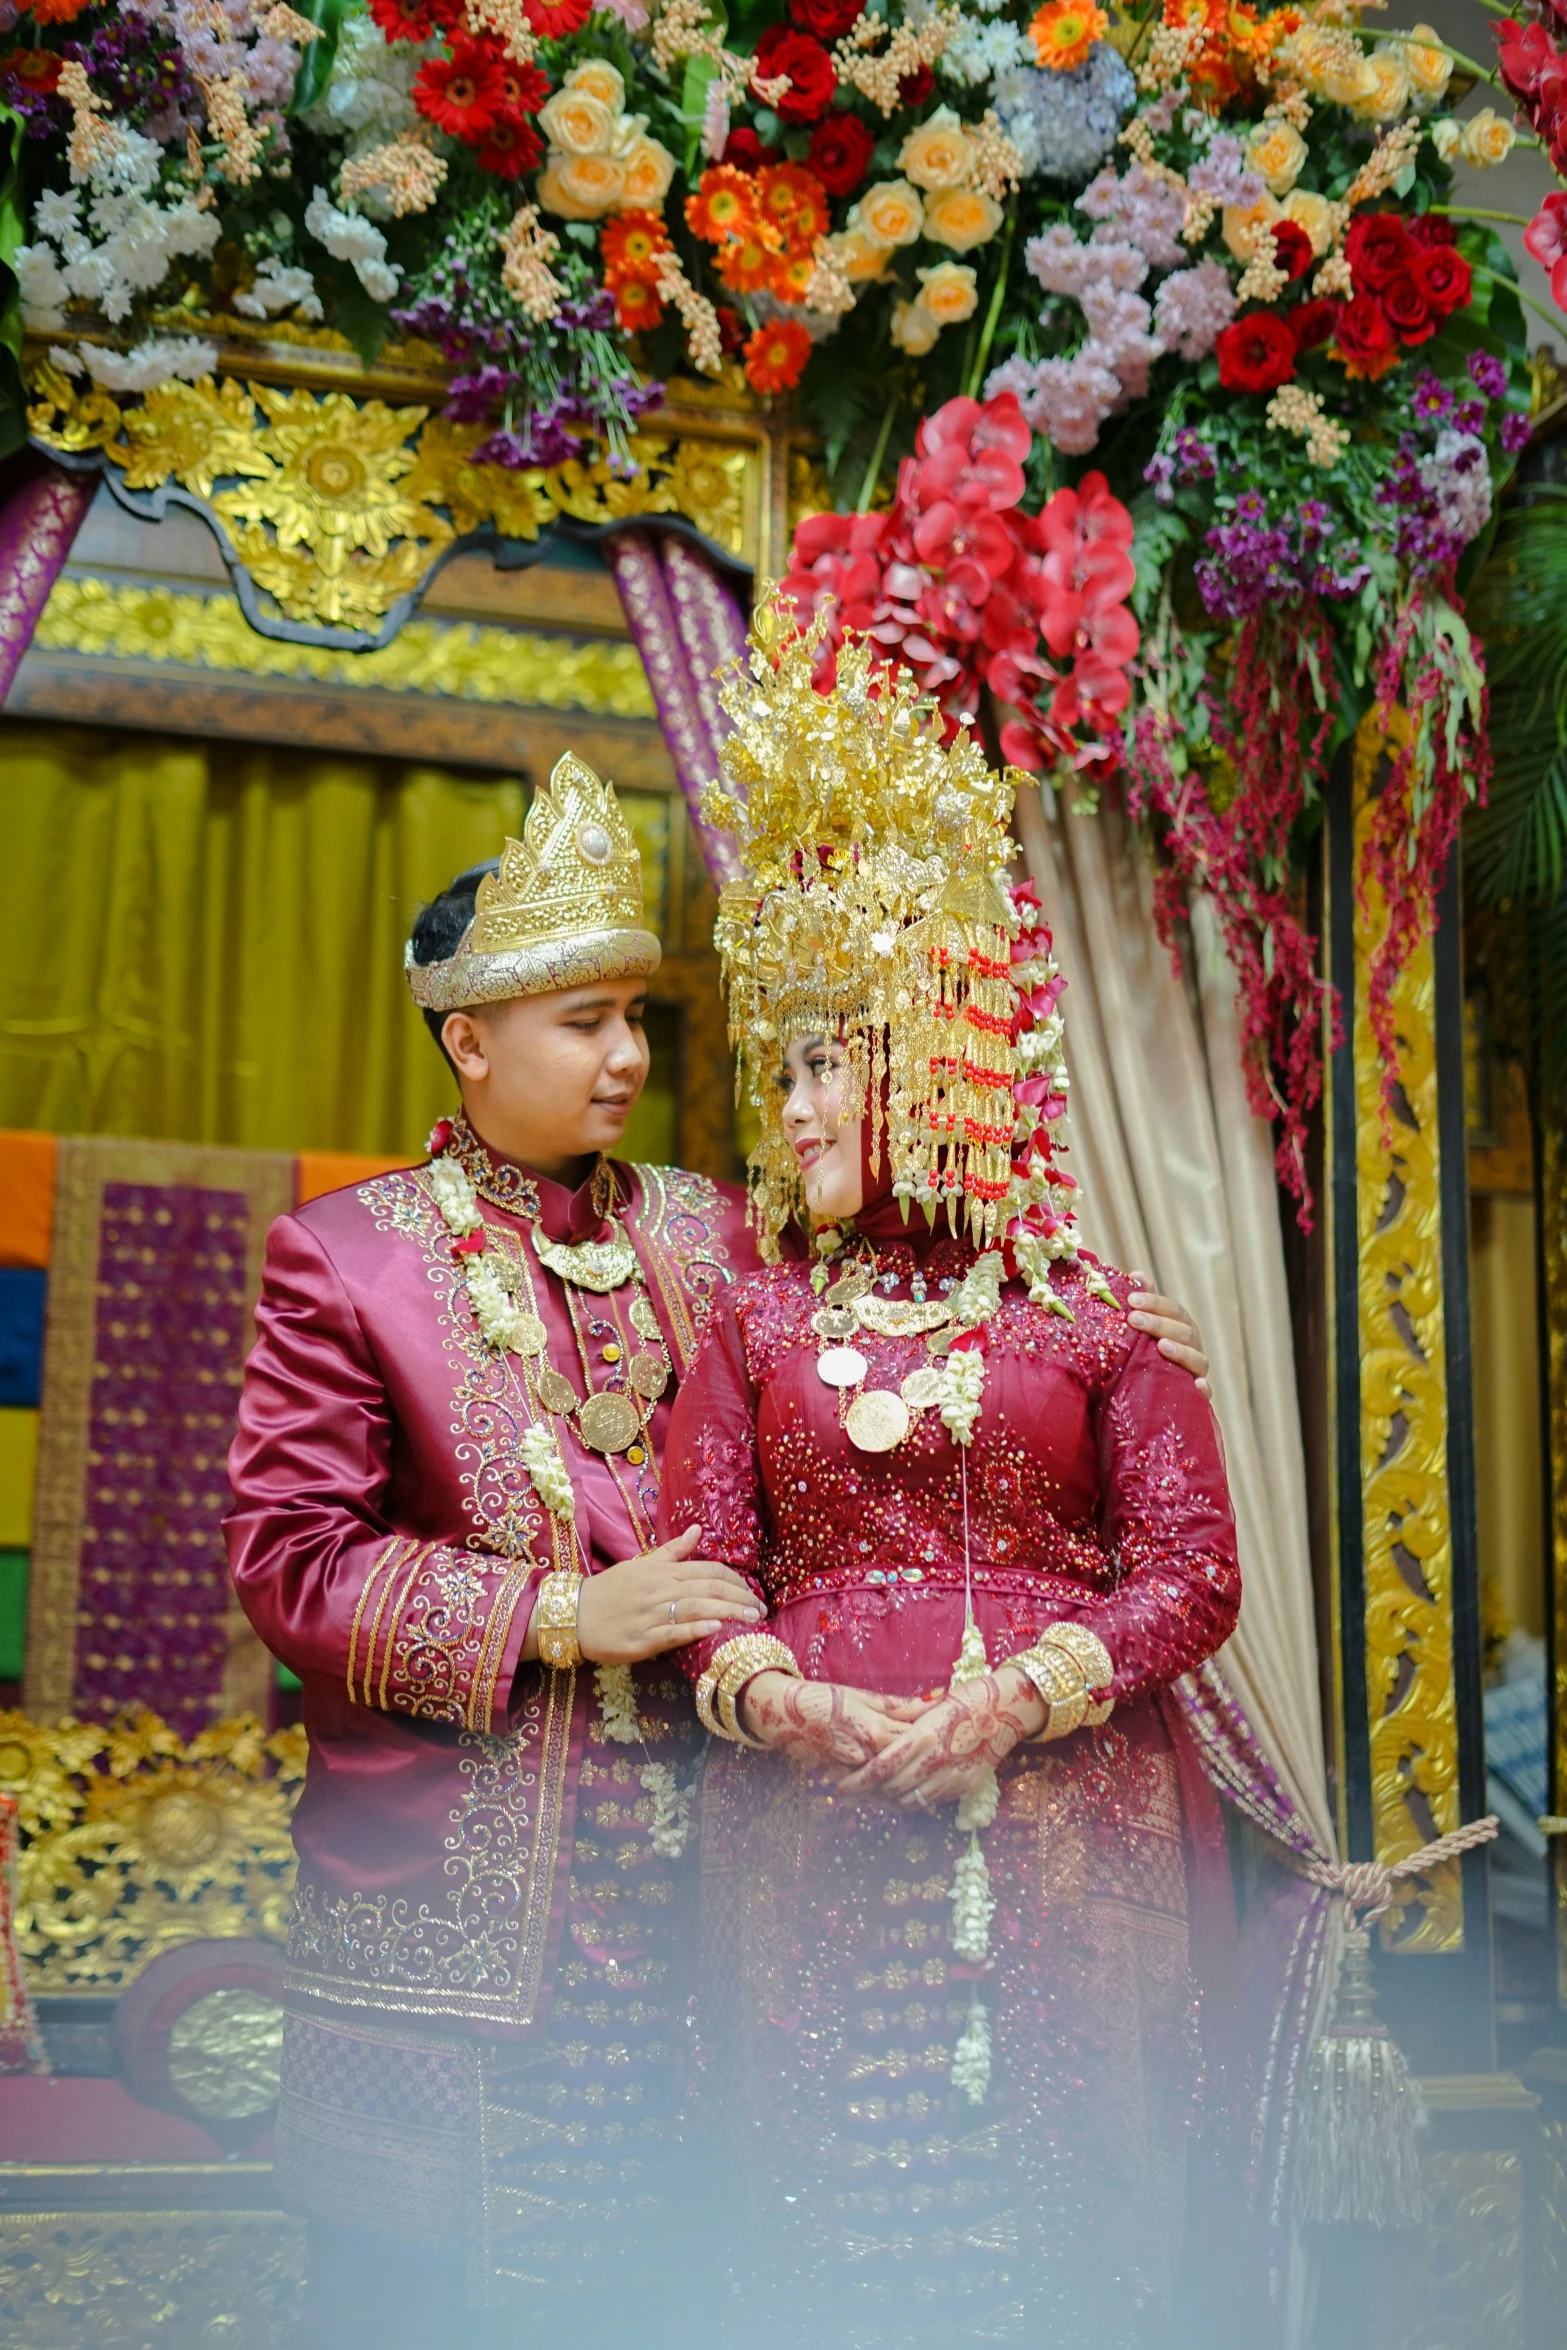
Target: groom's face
[552, 1078]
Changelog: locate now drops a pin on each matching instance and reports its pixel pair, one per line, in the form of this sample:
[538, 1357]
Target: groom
[445, 1482]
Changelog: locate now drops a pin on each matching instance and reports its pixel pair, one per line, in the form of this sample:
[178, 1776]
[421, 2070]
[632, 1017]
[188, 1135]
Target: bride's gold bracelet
[1066, 1665]
[729, 1669]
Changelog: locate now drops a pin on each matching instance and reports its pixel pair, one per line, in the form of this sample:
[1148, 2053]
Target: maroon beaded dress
[878, 2204]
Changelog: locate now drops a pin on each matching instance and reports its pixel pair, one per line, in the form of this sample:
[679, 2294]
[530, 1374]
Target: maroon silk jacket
[384, 1540]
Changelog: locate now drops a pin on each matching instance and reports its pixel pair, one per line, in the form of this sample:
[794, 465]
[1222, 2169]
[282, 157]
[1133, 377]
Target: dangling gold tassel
[1357, 2151]
[1357, 2159]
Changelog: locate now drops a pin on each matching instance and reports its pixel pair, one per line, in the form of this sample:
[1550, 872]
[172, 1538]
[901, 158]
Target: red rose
[824, 20]
[1408, 308]
[1377, 247]
[914, 88]
[745, 151]
[1311, 323]
[413, 20]
[812, 78]
[1430, 228]
[1363, 338]
[1255, 353]
[731, 329]
[1291, 248]
[1446, 277]
[841, 150]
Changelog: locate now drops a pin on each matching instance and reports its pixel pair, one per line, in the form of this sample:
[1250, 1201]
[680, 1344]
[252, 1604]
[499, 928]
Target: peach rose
[578, 123]
[1316, 59]
[1241, 223]
[949, 291]
[855, 257]
[939, 154]
[961, 218]
[582, 187]
[649, 168]
[1486, 140]
[1276, 154]
[1430, 66]
[1314, 214]
[598, 79]
[889, 214]
[913, 328]
[1388, 94]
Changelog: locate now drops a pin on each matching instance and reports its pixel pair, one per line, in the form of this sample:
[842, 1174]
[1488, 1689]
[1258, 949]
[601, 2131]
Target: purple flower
[1468, 416]
[1195, 458]
[1516, 431]
[1222, 174]
[1192, 307]
[1249, 568]
[470, 398]
[1489, 375]
[1160, 472]
[1431, 400]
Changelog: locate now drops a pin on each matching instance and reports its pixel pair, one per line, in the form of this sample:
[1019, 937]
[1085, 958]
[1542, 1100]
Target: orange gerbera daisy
[745, 263]
[630, 244]
[722, 206]
[637, 306]
[1064, 31]
[794, 200]
[775, 356]
[791, 276]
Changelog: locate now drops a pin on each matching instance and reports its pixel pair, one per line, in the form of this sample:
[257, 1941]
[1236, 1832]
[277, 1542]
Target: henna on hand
[950, 1748]
[819, 1726]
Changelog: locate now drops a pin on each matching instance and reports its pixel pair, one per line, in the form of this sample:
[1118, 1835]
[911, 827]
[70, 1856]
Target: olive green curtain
[202, 941]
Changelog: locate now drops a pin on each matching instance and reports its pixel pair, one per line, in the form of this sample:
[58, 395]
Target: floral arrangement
[1170, 391]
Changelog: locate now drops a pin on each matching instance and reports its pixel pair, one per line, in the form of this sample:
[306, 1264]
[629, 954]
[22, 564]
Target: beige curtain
[1178, 1178]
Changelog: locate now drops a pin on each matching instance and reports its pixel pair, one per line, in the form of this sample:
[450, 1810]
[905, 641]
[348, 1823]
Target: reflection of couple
[947, 1521]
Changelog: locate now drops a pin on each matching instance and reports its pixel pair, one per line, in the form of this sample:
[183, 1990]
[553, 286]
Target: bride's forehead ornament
[564, 909]
[874, 896]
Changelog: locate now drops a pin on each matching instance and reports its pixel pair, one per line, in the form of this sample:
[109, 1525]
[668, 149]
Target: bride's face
[826, 1145]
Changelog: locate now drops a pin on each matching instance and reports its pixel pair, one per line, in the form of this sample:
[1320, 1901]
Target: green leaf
[693, 104]
[315, 66]
[13, 232]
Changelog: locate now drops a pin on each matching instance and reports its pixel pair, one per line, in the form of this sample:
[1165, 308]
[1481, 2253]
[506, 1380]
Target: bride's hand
[819, 1725]
[948, 1750]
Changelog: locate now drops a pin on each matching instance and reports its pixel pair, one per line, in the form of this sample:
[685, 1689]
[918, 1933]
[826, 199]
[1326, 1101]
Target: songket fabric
[485, 1973]
[878, 2205]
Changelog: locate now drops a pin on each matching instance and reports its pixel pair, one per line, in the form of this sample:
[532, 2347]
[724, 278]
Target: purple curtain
[39, 521]
[687, 622]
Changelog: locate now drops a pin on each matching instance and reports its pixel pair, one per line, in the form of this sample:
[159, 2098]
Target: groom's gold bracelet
[729, 1669]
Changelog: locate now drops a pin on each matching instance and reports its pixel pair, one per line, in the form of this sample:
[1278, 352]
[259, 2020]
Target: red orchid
[1546, 238]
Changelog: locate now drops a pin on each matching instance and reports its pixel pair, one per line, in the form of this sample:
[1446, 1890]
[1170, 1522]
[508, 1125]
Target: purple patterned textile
[686, 622]
[1283, 1938]
[172, 1332]
[38, 523]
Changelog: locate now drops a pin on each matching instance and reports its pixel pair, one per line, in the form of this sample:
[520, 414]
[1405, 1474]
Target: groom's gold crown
[564, 908]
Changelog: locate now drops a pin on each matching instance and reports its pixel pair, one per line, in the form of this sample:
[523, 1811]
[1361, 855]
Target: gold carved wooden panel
[72, 2280]
[1553, 1214]
[1412, 1711]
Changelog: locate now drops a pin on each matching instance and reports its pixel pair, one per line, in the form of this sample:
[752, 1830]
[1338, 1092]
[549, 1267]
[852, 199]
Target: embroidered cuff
[436, 1632]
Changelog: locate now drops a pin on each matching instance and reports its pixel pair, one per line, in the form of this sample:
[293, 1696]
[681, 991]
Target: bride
[960, 1870]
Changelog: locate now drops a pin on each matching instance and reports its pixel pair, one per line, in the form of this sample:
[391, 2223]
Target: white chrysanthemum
[617, 1696]
[971, 2057]
[370, 90]
[963, 1384]
[151, 363]
[349, 237]
[277, 287]
[551, 1479]
[671, 1824]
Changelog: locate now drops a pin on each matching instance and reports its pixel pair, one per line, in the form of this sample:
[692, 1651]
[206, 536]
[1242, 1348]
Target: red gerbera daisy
[524, 88]
[464, 93]
[38, 70]
[556, 20]
[414, 20]
[637, 306]
[508, 150]
[775, 356]
[630, 245]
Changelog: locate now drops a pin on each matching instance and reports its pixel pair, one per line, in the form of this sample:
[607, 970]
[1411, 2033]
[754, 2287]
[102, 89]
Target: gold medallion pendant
[921, 1389]
[556, 1392]
[877, 1421]
[841, 1366]
[848, 1287]
[833, 1322]
[643, 1319]
[649, 1375]
[599, 1265]
[609, 1423]
[900, 1317]
[529, 1336]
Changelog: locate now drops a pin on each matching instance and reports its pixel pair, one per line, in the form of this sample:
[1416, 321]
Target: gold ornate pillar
[1409, 1760]
[1553, 1242]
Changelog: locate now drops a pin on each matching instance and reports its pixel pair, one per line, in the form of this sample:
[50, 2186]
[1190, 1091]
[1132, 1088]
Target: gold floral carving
[1407, 1537]
[1553, 1211]
[338, 506]
[133, 1841]
[1463, 2277]
[1553, 2210]
[475, 664]
[120, 2281]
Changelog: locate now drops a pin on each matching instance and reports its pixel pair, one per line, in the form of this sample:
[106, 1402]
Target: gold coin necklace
[877, 1419]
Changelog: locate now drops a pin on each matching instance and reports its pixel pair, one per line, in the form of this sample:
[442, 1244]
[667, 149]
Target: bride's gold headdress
[874, 904]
